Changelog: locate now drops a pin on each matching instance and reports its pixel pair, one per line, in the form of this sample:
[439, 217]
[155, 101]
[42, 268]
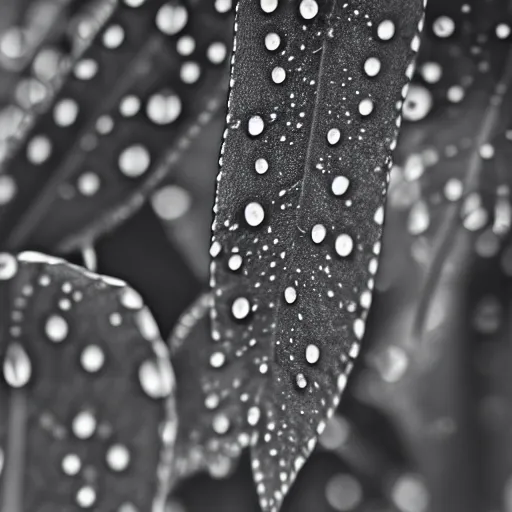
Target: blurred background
[426, 423]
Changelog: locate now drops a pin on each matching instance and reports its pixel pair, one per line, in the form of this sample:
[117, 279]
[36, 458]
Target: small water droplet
[171, 18]
[312, 353]
[84, 425]
[8, 266]
[56, 328]
[318, 233]
[301, 381]
[118, 457]
[372, 66]
[92, 358]
[134, 161]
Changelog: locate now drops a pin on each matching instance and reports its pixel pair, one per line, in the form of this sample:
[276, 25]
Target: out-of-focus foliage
[425, 423]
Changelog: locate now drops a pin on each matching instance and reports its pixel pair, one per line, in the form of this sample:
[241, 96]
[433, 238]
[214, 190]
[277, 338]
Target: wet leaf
[138, 96]
[87, 412]
[298, 221]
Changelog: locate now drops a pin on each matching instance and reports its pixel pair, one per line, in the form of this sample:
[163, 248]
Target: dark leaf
[294, 251]
[141, 92]
[87, 413]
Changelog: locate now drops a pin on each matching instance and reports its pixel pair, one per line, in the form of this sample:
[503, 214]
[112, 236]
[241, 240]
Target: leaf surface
[294, 249]
[87, 412]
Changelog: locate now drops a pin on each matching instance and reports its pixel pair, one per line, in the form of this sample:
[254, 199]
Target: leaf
[283, 303]
[88, 391]
[138, 96]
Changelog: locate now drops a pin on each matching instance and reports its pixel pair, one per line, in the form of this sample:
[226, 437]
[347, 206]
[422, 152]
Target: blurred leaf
[139, 95]
[87, 409]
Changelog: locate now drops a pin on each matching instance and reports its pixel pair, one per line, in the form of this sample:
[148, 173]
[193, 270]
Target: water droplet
[359, 328]
[253, 416]
[153, 380]
[343, 492]
[340, 185]
[118, 457]
[318, 233]
[134, 161]
[261, 166]
[220, 423]
[254, 214]
[171, 202]
[130, 299]
[39, 149]
[190, 72]
[268, 6]
[417, 104]
[86, 69]
[431, 72]
[301, 381]
[235, 262]
[379, 216]
[308, 9]
[372, 66]
[366, 107]
[130, 105]
[88, 184]
[386, 30]
[17, 366]
[344, 245]
[312, 354]
[65, 112]
[186, 45]
[278, 75]
[86, 496]
[410, 494]
[56, 328]
[290, 294]
[113, 37]
[171, 18]
[443, 26]
[240, 308]
[71, 464]
[92, 358]
[255, 125]
[84, 425]
[272, 41]
[216, 52]
[8, 189]
[164, 107]
[333, 136]
[8, 266]
[502, 30]
[217, 360]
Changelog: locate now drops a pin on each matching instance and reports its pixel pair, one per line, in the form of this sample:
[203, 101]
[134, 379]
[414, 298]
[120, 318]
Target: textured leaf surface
[139, 94]
[87, 396]
[294, 249]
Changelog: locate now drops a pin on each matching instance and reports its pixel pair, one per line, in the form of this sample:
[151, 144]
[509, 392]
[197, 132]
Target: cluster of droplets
[155, 375]
[163, 107]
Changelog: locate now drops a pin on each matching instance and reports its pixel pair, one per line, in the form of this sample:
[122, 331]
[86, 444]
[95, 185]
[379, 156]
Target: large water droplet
[56, 328]
[17, 366]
